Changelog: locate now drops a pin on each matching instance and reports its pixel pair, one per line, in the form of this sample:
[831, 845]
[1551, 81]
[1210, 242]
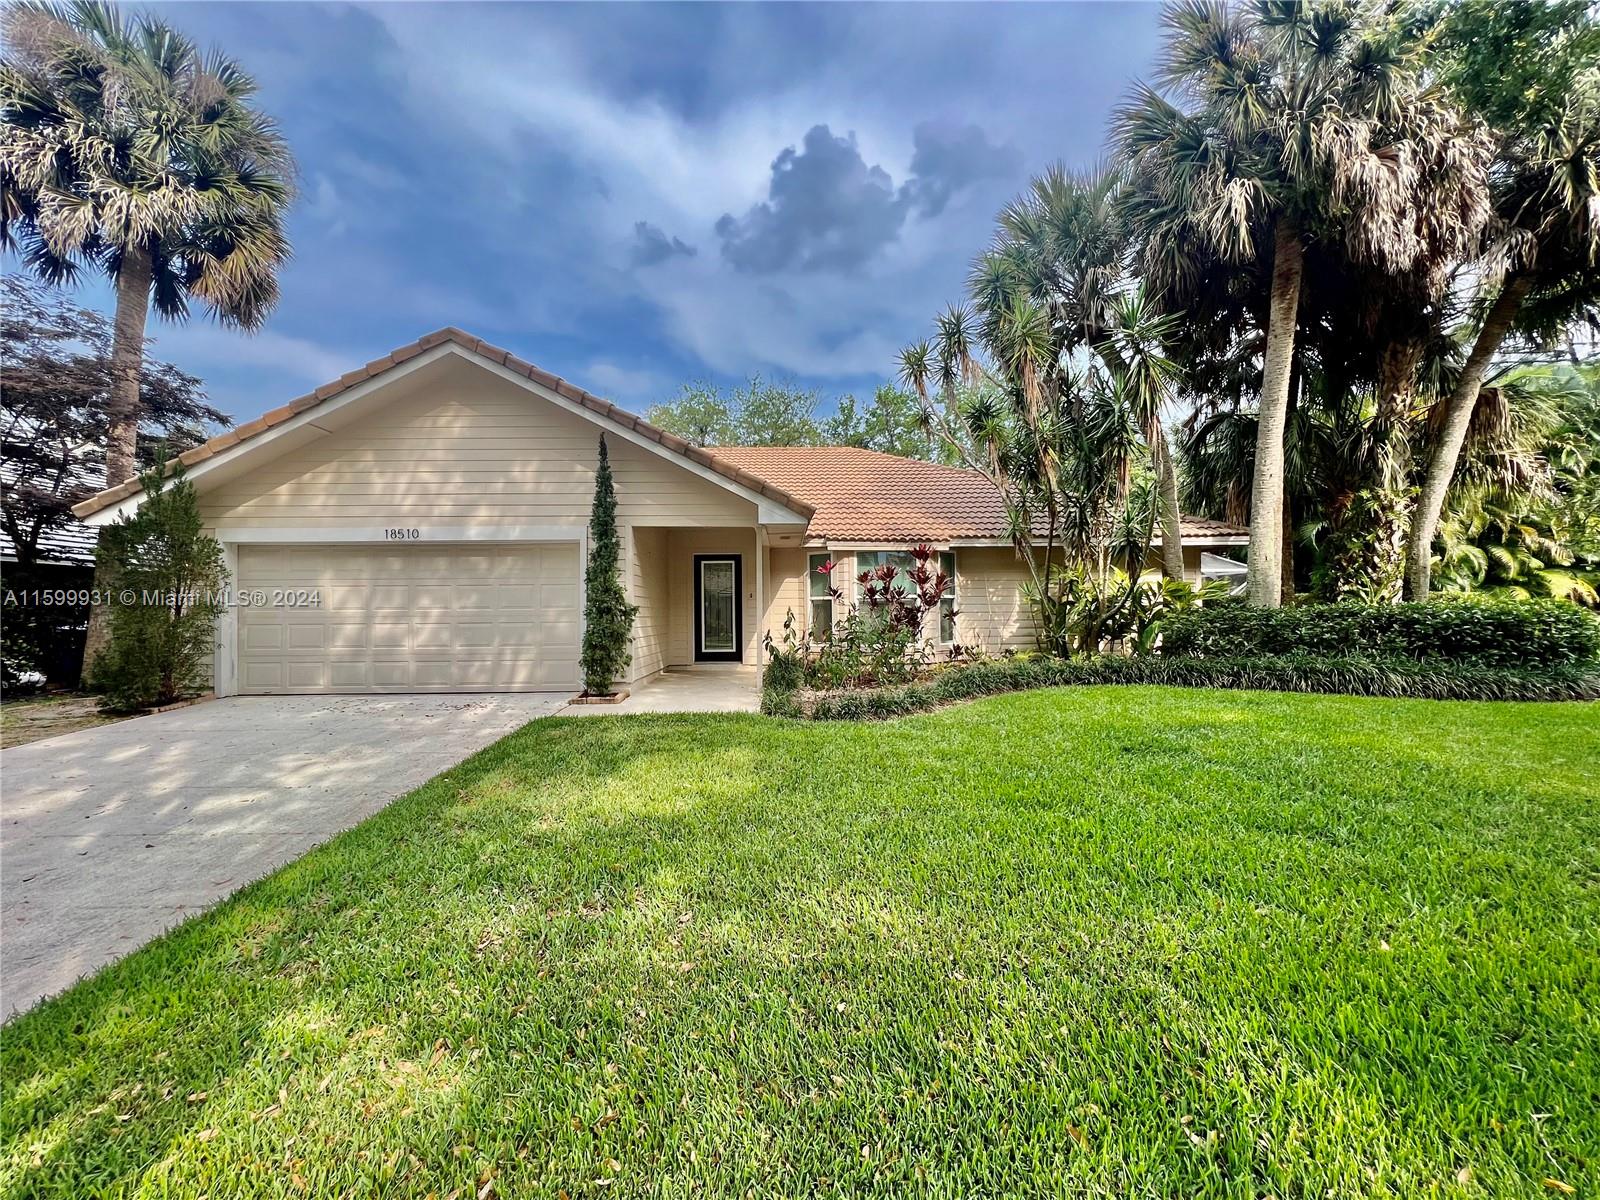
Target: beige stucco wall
[992, 613]
[463, 447]
[786, 590]
[649, 588]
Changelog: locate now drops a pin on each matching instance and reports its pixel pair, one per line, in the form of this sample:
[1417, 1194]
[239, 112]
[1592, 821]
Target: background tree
[128, 149]
[54, 411]
[607, 617]
[1058, 268]
[891, 423]
[755, 413]
[700, 414]
[1532, 71]
[770, 413]
[1293, 124]
[161, 641]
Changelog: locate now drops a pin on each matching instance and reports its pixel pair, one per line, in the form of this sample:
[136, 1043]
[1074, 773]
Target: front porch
[692, 689]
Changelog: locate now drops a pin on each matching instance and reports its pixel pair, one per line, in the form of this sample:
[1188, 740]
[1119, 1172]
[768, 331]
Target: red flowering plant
[881, 639]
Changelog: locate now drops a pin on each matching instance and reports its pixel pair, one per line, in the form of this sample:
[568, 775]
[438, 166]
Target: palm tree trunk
[1264, 581]
[1457, 420]
[122, 412]
[127, 359]
[1171, 518]
[1286, 533]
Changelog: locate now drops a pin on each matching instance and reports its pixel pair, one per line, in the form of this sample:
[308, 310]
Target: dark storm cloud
[949, 158]
[651, 245]
[827, 209]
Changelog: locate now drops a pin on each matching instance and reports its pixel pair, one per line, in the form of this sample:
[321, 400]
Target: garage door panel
[432, 635]
[435, 618]
[306, 676]
[347, 636]
[336, 598]
[307, 637]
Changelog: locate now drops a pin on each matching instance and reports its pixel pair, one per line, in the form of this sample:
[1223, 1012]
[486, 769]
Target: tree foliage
[127, 148]
[607, 616]
[165, 577]
[763, 412]
[54, 411]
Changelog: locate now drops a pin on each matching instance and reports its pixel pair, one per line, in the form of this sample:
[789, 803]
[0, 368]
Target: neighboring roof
[868, 496]
[70, 545]
[482, 349]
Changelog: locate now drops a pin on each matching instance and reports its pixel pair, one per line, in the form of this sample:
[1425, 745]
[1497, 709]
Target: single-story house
[420, 524]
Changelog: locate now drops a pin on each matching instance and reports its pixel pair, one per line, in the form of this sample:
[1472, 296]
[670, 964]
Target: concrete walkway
[685, 690]
[109, 836]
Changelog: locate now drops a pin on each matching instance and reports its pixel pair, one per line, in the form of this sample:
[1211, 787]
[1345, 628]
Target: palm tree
[1055, 282]
[1542, 275]
[127, 149]
[1133, 350]
[1297, 127]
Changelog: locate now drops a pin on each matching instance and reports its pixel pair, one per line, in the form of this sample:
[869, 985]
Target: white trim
[225, 667]
[435, 534]
[767, 509]
[1229, 539]
[761, 591]
[833, 544]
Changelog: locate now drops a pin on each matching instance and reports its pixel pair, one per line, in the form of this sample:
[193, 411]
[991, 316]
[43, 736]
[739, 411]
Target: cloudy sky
[635, 197]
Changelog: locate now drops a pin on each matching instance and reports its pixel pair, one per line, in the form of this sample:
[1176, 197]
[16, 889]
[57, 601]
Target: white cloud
[200, 345]
[630, 386]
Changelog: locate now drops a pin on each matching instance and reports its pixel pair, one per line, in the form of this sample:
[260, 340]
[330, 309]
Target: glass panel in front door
[717, 600]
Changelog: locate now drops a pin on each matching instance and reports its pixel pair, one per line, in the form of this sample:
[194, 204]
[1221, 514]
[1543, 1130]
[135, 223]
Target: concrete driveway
[109, 836]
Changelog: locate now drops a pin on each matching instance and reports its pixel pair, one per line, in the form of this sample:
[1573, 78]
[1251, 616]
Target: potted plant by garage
[607, 616]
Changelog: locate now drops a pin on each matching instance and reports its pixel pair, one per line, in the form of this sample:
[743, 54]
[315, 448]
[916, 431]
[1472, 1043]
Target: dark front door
[718, 615]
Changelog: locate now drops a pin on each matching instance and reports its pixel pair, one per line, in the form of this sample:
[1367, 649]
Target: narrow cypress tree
[607, 617]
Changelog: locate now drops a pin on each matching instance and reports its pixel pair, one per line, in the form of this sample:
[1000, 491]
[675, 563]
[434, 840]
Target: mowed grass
[1119, 941]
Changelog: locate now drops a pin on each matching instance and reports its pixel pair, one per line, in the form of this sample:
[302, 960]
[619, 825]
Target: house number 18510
[402, 535]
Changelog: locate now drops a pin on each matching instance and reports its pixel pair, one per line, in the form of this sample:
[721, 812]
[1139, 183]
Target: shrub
[1331, 674]
[166, 578]
[1535, 633]
[881, 640]
[608, 617]
[786, 659]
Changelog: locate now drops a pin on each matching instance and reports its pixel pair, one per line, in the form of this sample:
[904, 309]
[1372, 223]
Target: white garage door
[410, 618]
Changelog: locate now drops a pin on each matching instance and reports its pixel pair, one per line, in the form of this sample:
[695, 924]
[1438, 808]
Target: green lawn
[1119, 941]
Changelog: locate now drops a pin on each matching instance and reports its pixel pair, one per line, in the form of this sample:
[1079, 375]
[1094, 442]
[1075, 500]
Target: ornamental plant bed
[1332, 674]
[607, 698]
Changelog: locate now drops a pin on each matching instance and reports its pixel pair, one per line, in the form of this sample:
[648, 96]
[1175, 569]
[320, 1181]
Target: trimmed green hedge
[1539, 634]
[1338, 674]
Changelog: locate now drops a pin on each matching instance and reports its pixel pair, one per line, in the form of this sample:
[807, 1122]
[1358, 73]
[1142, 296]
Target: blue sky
[636, 197]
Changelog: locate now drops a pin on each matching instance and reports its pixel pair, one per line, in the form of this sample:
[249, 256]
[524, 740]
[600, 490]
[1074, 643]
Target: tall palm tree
[1292, 124]
[1055, 282]
[127, 149]
[1544, 272]
[1133, 348]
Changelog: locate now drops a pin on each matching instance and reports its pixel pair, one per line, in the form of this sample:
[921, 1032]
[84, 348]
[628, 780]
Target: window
[871, 560]
[818, 583]
[947, 602]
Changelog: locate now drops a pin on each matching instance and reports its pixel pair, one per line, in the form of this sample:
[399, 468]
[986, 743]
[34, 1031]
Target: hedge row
[1337, 674]
[1533, 633]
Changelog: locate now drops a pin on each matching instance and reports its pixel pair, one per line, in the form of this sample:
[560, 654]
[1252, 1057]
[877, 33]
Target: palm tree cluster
[1322, 224]
[1052, 383]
